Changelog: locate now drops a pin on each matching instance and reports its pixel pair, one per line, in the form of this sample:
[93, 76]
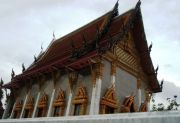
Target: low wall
[147, 117]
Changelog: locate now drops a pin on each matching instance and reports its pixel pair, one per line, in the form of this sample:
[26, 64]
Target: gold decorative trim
[60, 102]
[81, 98]
[93, 76]
[43, 103]
[18, 108]
[111, 57]
[109, 99]
[113, 68]
[129, 104]
[138, 83]
[99, 70]
[29, 105]
[43, 100]
[143, 107]
[148, 95]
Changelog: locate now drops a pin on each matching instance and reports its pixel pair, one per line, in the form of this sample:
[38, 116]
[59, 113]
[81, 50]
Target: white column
[93, 100]
[6, 109]
[148, 106]
[113, 79]
[12, 112]
[69, 104]
[51, 103]
[24, 105]
[97, 96]
[139, 97]
[35, 107]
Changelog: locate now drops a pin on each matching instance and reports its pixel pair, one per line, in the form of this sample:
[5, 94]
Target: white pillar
[12, 112]
[35, 107]
[6, 109]
[24, 106]
[93, 100]
[69, 104]
[139, 97]
[113, 79]
[51, 103]
[148, 106]
[97, 96]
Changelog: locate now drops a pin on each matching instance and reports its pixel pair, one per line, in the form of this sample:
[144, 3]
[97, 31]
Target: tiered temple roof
[75, 50]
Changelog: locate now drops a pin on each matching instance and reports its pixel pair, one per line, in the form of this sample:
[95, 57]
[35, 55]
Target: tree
[171, 105]
[1, 97]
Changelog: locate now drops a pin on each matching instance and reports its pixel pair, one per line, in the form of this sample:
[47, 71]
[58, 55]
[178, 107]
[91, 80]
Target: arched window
[108, 102]
[29, 107]
[80, 101]
[59, 104]
[129, 104]
[42, 106]
[18, 108]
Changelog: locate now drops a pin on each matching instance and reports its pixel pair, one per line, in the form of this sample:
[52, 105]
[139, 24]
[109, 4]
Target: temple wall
[34, 91]
[125, 84]
[106, 77]
[22, 94]
[143, 87]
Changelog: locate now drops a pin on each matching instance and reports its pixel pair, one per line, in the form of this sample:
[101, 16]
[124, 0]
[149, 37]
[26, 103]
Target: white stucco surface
[147, 117]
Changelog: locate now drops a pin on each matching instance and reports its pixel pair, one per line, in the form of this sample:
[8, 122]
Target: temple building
[103, 67]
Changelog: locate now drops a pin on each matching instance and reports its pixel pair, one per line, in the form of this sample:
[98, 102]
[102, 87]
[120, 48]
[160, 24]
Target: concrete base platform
[147, 117]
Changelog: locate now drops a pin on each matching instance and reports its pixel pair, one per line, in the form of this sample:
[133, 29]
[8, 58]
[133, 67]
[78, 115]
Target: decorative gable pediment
[129, 104]
[81, 95]
[19, 104]
[30, 103]
[126, 53]
[110, 98]
[43, 100]
[60, 99]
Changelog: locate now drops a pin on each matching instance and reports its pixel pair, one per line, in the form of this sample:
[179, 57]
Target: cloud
[169, 90]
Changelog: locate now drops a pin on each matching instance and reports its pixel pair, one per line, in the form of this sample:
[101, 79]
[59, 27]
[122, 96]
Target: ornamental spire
[2, 82]
[12, 74]
[23, 67]
[150, 47]
[54, 37]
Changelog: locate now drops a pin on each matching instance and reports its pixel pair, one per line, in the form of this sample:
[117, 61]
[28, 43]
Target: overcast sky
[25, 25]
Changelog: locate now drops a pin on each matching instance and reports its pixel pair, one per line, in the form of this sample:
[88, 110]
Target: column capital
[113, 68]
[138, 83]
[99, 70]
